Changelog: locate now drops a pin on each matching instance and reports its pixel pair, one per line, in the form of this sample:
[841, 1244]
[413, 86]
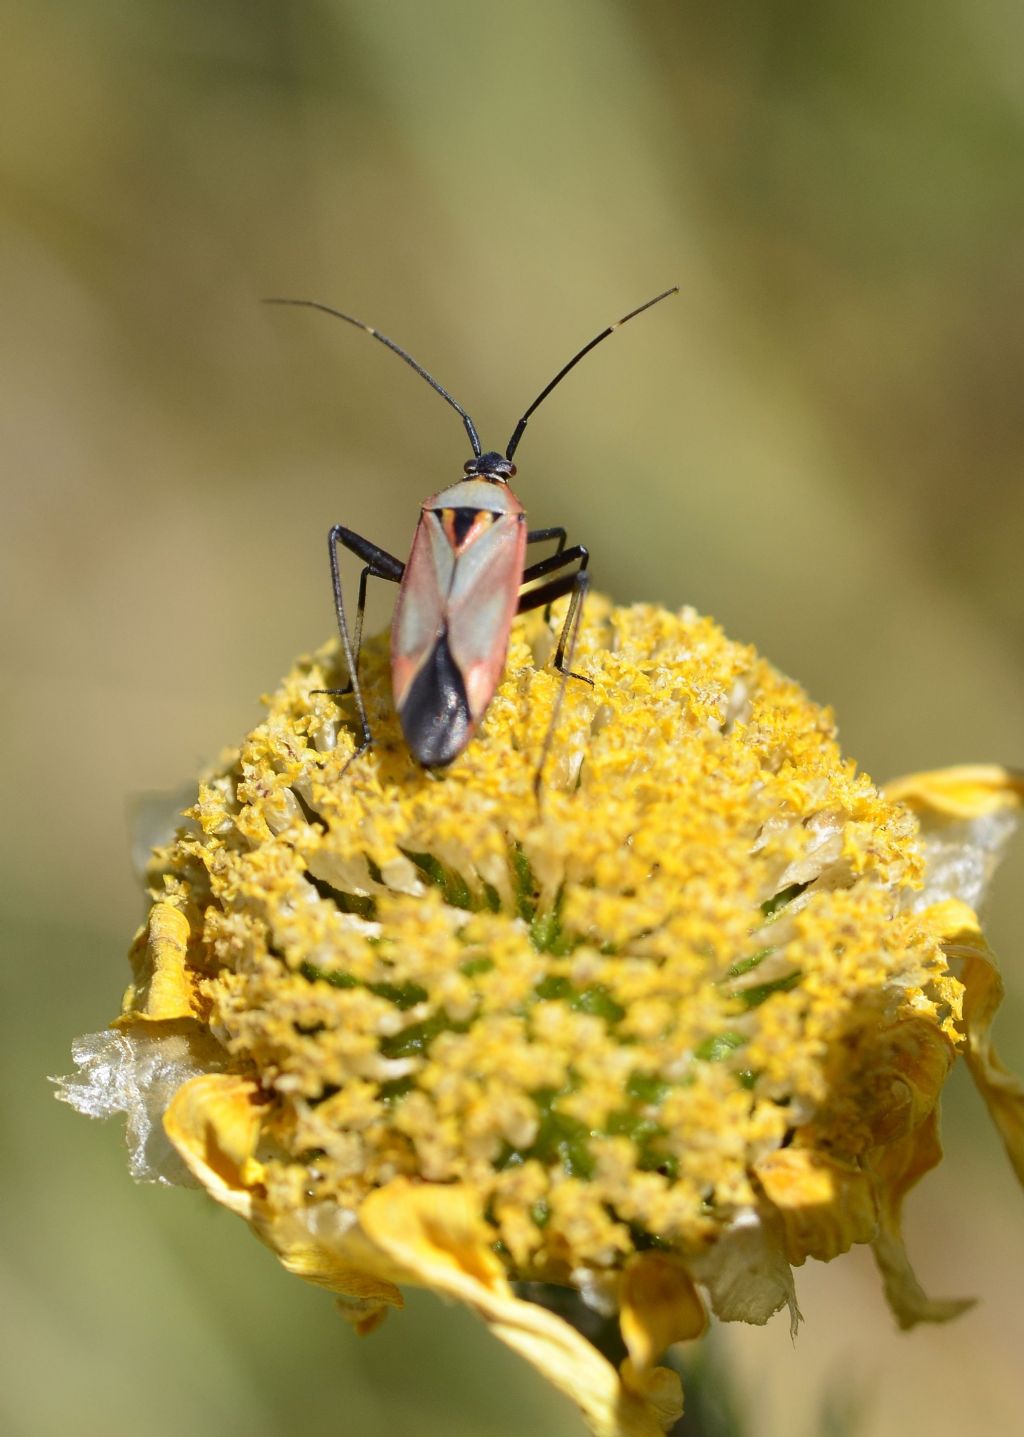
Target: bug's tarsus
[363, 748]
[397, 349]
[517, 433]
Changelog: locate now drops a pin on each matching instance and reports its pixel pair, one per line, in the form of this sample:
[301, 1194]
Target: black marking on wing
[435, 715]
[463, 520]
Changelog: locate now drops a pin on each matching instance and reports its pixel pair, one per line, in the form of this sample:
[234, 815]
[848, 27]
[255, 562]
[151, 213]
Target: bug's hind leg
[378, 564]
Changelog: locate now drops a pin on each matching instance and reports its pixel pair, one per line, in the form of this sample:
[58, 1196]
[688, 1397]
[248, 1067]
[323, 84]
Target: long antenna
[517, 433]
[326, 308]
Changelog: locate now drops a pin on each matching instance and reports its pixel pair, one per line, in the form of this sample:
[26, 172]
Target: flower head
[654, 1040]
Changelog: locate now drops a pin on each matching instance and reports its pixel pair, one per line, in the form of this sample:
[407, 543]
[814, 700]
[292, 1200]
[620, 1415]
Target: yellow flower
[653, 1040]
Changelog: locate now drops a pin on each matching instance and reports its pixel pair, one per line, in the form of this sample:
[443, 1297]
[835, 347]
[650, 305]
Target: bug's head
[490, 466]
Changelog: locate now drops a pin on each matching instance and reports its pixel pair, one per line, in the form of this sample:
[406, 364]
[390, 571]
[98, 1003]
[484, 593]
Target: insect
[465, 580]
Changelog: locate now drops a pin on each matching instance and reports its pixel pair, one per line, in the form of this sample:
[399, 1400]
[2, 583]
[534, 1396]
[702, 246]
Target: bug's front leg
[379, 564]
[538, 536]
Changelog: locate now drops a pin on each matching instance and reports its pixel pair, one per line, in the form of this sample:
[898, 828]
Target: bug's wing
[419, 617]
[450, 632]
[481, 605]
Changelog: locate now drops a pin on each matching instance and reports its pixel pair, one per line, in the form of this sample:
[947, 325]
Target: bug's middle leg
[369, 572]
[378, 564]
[577, 582]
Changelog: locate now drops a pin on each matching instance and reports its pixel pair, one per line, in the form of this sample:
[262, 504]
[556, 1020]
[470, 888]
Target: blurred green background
[819, 441]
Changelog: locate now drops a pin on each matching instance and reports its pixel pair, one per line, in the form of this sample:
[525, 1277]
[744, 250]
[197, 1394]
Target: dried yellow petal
[970, 791]
[214, 1121]
[896, 1169]
[165, 988]
[659, 1305]
[437, 1237]
[825, 1206]
[978, 970]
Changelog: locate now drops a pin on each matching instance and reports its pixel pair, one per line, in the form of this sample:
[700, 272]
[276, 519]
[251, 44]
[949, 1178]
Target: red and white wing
[419, 617]
[449, 635]
[482, 603]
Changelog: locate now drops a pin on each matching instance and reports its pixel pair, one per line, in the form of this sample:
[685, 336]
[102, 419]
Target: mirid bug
[464, 582]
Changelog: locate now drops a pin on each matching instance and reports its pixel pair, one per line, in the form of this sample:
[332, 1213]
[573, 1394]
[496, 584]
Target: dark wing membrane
[435, 715]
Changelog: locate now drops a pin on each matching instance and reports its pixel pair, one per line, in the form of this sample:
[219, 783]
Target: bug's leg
[369, 572]
[554, 589]
[570, 628]
[560, 559]
[537, 536]
[360, 611]
[380, 564]
[576, 583]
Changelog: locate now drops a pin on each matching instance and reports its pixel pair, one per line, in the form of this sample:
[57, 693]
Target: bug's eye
[511, 471]
[469, 467]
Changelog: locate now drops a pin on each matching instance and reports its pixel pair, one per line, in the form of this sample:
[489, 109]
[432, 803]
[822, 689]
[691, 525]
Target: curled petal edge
[164, 988]
[659, 1306]
[978, 970]
[895, 1169]
[214, 1120]
[430, 1235]
[364, 1297]
[967, 791]
[823, 1206]
[215, 1123]
[435, 1235]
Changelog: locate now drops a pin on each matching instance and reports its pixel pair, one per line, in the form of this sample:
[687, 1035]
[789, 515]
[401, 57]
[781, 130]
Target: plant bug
[464, 582]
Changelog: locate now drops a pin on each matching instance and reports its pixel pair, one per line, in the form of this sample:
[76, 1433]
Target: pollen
[680, 1013]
